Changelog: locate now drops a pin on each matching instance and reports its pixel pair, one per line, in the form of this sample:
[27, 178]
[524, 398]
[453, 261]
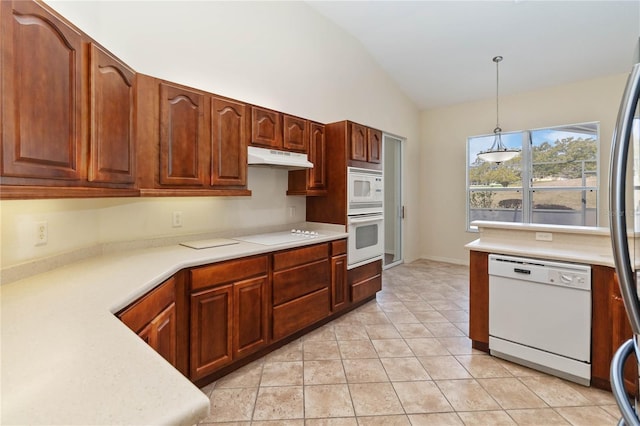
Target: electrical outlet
[42, 233]
[176, 220]
[544, 236]
[292, 211]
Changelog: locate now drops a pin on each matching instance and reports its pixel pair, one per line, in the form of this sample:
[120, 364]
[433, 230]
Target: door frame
[399, 228]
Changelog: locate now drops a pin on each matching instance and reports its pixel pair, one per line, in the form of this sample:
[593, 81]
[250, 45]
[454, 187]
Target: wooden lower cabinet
[339, 287]
[153, 318]
[479, 300]
[365, 281]
[229, 313]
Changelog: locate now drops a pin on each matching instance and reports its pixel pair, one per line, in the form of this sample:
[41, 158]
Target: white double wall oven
[365, 212]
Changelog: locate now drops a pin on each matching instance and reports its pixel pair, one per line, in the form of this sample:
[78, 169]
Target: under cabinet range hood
[272, 157]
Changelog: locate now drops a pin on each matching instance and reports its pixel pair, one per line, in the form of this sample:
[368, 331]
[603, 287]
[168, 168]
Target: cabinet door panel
[250, 324]
[374, 146]
[164, 338]
[266, 128]
[183, 153]
[295, 134]
[358, 142]
[112, 111]
[318, 156]
[229, 140]
[339, 288]
[211, 342]
[42, 93]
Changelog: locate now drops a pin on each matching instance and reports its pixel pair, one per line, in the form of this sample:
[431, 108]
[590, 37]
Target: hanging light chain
[497, 60]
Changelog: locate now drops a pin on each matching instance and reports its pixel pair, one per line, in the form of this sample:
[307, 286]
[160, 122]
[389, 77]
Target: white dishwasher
[540, 315]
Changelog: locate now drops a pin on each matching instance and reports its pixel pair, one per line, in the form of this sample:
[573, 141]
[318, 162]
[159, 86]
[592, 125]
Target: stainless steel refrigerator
[624, 207]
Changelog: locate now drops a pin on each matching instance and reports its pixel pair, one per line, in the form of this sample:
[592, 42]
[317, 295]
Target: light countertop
[66, 359]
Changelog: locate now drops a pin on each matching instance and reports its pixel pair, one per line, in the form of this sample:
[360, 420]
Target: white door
[393, 209]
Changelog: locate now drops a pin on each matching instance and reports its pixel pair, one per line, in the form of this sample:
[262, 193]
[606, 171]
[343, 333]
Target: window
[554, 179]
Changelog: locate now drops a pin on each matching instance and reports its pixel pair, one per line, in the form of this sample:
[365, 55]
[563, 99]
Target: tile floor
[403, 359]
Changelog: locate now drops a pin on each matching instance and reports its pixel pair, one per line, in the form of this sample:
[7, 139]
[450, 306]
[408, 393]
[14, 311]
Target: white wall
[444, 134]
[281, 55]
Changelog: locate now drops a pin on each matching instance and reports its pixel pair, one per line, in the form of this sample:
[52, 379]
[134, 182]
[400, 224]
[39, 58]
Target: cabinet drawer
[338, 247]
[234, 270]
[296, 282]
[290, 258]
[365, 280]
[299, 313]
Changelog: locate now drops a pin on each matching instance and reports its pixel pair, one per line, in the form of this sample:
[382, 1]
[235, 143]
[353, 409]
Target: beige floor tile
[351, 332]
[278, 403]
[346, 421]
[444, 329]
[483, 366]
[419, 306]
[404, 369]
[231, 404]
[484, 418]
[350, 318]
[444, 367]
[352, 349]
[554, 391]
[430, 316]
[421, 397]
[613, 410]
[587, 416]
[402, 318]
[391, 348]
[445, 305]
[396, 306]
[320, 334]
[537, 416]
[297, 422]
[227, 423]
[382, 331]
[427, 347]
[374, 399]
[400, 420]
[511, 393]
[364, 371]
[467, 395]
[412, 331]
[282, 374]
[245, 377]
[327, 401]
[289, 352]
[520, 370]
[324, 372]
[463, 326]
[458, 345]
[209, 388]
[372, 318]
[320, 350]
[593, 395]
[435, 419]
[456, 315]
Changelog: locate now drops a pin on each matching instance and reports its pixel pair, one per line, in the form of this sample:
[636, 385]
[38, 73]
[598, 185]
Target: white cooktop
[283, 237]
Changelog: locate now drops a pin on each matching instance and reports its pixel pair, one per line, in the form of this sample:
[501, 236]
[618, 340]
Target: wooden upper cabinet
[183, 138]
[112, 147]
[318, 156]
[374, 146]
[295, 134]
[229, 138]
[42, 96]
[358, 142]
[266, 128]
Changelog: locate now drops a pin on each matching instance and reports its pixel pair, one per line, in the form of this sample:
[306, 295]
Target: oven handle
[368, 219]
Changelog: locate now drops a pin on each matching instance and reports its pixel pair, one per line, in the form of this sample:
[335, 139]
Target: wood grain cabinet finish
[183, 139]
[229, 313]
[295, 134]
[229, 137]
[358, 142]
[266, 128]
[365, 281]
[112, 144]
[374, 146]
[42, 114]
[479, 300]
[339, 288]
[153, 318]
[312, 182]
[301, 281]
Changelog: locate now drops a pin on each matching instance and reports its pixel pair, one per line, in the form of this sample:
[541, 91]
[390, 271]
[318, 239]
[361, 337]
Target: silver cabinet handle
[617, 202]
[629, 416]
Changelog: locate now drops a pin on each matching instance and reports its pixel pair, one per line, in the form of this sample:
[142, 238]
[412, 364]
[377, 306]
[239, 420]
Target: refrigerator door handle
[617, 197]
[629, 416]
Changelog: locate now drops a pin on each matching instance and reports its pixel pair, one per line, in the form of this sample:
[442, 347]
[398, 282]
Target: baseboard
[446, 260]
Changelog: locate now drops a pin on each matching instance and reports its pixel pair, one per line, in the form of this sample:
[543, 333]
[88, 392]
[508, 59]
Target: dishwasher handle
[522, 271]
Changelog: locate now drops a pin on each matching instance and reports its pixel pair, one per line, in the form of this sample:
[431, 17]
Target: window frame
[526, 185]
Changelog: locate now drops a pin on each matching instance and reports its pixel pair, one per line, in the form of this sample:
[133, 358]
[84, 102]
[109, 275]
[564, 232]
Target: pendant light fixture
[498, 151]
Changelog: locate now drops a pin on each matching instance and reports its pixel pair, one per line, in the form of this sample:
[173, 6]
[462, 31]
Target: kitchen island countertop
[67, 359]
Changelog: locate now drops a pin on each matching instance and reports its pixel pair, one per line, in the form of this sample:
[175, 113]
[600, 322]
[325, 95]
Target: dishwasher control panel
[541, 271]
[569, 278]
